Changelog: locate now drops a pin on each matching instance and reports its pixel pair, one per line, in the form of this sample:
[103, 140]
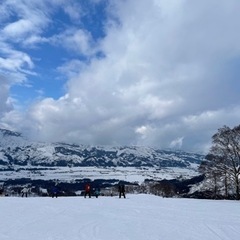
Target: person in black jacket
[121, 190]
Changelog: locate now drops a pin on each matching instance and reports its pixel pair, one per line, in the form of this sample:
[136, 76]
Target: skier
[87, 190]
[121, 190]
[24, 192]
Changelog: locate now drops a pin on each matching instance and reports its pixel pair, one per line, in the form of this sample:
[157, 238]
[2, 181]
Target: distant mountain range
[17, 150]
[40, 165]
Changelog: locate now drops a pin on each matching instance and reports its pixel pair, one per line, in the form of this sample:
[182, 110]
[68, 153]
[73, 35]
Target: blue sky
[161, 73]
[47, 56]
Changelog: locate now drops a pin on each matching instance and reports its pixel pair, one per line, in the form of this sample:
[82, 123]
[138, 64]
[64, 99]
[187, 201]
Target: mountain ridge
[17, 150]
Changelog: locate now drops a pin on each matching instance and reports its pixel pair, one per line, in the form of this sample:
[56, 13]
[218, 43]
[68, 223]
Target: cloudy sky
[160, 73]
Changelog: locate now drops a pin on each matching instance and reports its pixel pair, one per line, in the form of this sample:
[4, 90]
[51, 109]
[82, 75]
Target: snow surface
[140, 217]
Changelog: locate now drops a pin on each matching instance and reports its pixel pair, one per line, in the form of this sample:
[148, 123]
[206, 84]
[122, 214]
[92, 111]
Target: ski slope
[140, 217]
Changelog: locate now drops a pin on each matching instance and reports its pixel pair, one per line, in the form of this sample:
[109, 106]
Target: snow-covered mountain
[17, 150]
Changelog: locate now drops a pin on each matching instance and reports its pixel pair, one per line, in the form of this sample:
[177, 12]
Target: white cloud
[15, 65]
[5, 101]
[74, 11]
[141, 130]
[76, 40]
[72, 68]
[177, 143]
[18, 28]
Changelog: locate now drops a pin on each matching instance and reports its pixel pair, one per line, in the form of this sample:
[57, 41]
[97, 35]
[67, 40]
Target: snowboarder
[87, 190]
[25, 192]
[121, 190]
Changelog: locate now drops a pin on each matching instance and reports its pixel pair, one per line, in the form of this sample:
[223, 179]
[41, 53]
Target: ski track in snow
[141, 217]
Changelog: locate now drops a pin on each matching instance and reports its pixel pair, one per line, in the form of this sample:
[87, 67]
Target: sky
[159, 73]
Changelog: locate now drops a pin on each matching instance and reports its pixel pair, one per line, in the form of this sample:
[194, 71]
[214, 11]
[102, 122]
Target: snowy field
[139, 217]
[130, 174]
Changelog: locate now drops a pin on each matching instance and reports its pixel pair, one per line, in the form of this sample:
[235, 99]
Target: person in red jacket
[87, 190]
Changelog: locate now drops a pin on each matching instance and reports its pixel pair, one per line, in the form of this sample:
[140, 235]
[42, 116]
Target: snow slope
[140, 217]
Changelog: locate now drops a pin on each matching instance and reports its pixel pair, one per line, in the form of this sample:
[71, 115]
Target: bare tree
[224, 160]
[212, 174]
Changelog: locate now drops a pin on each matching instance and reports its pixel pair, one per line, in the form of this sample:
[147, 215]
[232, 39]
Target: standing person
[54, 191]
[97, 192]
[121, 189]
[24, 192]
[87, 190]
[1, 190]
